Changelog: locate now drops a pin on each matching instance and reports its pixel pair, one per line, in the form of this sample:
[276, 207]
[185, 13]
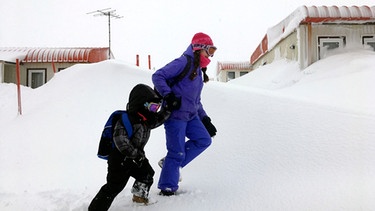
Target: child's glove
[139, 161]
[211, 129]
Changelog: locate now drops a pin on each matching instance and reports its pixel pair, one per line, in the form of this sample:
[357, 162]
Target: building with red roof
[311, 33]
[38, 65]
[227, 71]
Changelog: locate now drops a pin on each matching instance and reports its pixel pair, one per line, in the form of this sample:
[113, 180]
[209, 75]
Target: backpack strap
[183, 73]
[186, 69]
[127, 124]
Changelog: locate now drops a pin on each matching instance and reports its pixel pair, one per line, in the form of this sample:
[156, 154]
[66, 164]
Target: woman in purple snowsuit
[188, 118]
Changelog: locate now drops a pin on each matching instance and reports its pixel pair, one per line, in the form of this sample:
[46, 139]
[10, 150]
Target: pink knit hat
[201, 41]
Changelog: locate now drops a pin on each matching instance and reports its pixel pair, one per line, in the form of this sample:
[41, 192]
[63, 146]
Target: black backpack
[106, 140]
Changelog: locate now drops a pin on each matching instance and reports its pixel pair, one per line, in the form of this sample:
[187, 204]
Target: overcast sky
[162, 28]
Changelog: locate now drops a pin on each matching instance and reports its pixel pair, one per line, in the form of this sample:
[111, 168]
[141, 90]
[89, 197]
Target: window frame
[322, 40]
[242, 73]
[368, 40]
[230, 73]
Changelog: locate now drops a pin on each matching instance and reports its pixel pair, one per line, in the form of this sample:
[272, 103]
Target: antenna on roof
[111, 14]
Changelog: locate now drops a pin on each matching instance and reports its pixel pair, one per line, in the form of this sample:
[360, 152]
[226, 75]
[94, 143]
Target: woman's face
[204, 60]
[204, 53]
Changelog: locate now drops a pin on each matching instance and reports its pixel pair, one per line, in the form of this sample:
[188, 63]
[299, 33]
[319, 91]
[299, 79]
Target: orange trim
[82, 55]
[88, 55]
[332, 19]
[260, 50]
[18, 86]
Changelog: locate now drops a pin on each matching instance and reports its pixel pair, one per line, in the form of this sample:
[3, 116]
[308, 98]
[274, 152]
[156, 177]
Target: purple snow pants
[180, 153]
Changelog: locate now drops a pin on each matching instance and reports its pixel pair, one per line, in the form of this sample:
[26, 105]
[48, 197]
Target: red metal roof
[234, 66]
[73, 55]
[314, 14]
[260, 50]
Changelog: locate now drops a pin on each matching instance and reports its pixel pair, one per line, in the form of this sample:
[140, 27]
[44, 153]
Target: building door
[36, 77]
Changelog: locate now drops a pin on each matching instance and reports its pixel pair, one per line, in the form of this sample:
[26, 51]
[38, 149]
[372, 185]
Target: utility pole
[111, 14]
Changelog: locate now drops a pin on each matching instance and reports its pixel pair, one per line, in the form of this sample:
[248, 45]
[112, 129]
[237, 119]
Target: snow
[287, 139]
[12, 54]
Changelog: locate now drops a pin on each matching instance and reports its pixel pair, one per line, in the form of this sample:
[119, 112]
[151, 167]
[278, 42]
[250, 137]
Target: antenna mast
[111, 14]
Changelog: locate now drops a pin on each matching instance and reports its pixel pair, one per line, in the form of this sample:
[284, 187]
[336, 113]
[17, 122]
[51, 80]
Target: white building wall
[1, 71]
[303, 44]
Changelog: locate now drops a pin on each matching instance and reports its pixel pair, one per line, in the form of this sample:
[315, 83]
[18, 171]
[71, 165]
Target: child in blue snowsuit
[188, 118]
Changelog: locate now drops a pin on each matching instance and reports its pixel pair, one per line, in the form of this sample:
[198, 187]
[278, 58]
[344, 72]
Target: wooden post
[137, 60]
[18, 86]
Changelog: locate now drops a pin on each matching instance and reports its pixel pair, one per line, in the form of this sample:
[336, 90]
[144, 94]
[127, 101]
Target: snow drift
[287, 139]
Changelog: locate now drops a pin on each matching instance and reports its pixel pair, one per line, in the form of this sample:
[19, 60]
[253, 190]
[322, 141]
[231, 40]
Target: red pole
[18, 86]
[149, 62]
[137, 60]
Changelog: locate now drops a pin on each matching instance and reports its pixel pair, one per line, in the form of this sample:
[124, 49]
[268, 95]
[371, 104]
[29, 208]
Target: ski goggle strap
[153, 107]
[210, 49]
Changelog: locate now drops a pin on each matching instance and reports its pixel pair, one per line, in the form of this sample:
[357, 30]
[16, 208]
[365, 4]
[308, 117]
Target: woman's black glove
[211, 129]
[172, 102]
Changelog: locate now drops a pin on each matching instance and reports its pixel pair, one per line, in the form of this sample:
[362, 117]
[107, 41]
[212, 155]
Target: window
[369, 40]
[36, 77]
[326, 44]
[243, 73]
[231, 75]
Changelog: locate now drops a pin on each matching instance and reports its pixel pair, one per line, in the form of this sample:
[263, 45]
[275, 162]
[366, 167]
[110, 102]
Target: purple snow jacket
[188, 90]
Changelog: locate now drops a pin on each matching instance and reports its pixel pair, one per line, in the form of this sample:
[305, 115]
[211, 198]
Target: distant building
[38, 65]
[311, 33]
[227, 71]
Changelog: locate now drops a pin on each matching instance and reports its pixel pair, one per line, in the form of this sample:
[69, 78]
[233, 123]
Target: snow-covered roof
[312, 14]
[88, 55]
[10, 55]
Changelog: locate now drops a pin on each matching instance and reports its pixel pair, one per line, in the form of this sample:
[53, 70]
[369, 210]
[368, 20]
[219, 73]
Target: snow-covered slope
[287, 140]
